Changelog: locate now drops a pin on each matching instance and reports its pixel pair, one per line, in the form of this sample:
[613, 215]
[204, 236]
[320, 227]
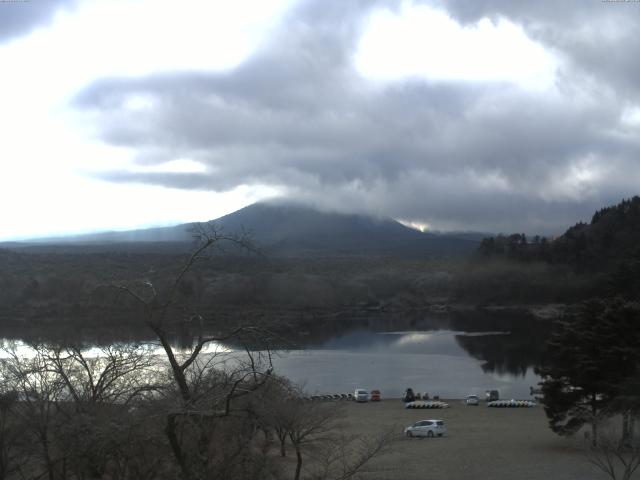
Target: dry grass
[481, 443]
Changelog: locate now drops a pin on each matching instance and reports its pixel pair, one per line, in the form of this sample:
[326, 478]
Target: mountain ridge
[285, 229]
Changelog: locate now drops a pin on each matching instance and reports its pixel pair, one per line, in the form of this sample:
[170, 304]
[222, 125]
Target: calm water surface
[427, 361]
[451, 356]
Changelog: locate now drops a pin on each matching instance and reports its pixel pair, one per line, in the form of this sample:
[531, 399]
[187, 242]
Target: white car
[426, 428]
[361, 395]
[472, 400]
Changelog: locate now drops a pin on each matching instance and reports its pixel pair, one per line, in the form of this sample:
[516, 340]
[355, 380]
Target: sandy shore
[481, 443]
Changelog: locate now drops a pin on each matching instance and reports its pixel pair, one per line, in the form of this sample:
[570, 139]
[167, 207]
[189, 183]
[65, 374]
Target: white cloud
[420, 226]
[46, 151]
[79, 205]
[421, 41]
[439, 124]
[630, 118]
[575, 180]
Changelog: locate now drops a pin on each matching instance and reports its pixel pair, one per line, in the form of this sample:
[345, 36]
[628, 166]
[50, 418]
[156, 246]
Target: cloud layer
[19, 17]
[488, 155]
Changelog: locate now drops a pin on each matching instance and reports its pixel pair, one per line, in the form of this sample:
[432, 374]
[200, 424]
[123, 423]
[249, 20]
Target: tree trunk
[298, 464]
[594, 420]
[172, 436]
[44, 438]
[282, 436]
[268, 441]
[626, 419]
[178, 373]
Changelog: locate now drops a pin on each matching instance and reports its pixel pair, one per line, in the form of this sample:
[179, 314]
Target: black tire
[409, 435]
[430, 434]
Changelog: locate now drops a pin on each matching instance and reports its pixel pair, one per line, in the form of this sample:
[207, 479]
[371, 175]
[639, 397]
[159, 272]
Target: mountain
[281, 229]
[292, 229]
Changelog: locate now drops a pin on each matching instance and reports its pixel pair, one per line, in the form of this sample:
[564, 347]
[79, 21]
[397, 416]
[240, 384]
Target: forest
[197, 413]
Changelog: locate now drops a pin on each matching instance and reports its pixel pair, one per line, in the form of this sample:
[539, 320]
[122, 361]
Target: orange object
[375, 395]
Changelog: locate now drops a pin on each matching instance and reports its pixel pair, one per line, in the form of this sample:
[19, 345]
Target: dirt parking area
[481, 443]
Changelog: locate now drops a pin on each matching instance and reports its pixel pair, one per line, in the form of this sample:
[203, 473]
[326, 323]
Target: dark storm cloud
[456, 155]
[18, 18]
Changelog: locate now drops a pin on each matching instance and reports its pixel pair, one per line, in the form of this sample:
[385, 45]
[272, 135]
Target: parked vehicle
[492, 395]
[472, 400]
[375, 395]
[426, 428]
[409, 396]
[361, 395]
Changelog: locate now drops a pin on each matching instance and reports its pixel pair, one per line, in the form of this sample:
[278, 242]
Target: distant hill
[612, 237]
[282, 229]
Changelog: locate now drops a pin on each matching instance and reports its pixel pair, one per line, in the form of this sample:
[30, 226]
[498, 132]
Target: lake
[451, 355]
[427, 361]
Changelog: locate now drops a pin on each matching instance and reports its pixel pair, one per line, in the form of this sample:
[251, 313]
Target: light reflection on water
[427, 361]
[432, 362]
[24, 350]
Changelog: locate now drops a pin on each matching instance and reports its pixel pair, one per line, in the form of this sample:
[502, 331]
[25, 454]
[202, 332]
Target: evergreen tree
[593, 357]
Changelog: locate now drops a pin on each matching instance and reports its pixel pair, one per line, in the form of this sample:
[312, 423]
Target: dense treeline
[59, 294]
[590, 369]
[612, 237]
[601, 258]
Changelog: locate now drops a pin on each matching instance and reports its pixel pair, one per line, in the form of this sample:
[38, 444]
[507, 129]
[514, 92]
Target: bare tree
[115, 374]
[616, 455]
[323, 450]
[346, 456]
[40, 394]
[73, 411]
[206, 394]
[11, 458]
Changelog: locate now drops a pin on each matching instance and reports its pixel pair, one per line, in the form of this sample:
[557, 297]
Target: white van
[361, 395]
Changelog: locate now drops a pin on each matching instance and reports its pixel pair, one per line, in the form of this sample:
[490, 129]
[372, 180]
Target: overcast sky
[488, 115]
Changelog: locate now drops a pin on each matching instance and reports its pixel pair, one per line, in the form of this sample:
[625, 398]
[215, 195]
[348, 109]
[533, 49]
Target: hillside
[612, 237]
[289, 230]
[596, 259]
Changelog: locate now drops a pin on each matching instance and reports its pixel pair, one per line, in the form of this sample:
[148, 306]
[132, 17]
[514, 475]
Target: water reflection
[516, 353]
[448, 363]
[451, 355]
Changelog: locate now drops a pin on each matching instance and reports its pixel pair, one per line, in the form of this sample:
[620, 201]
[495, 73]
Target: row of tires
[436, 404]
[322, 398]
[511, 404]
[426, 404]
